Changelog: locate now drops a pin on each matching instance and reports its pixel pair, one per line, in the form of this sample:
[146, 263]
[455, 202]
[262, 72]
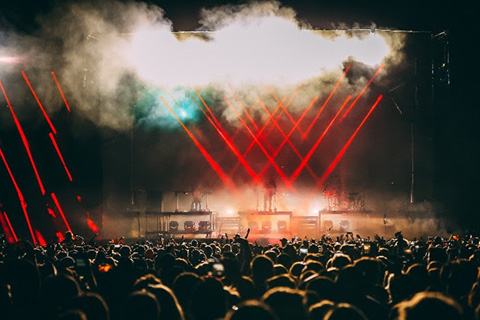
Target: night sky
[454, 117]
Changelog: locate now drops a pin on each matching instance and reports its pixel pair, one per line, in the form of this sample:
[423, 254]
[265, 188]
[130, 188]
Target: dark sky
[410, 14]
[456, 121]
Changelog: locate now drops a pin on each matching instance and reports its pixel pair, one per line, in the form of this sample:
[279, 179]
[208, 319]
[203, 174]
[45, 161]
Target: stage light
[282, 225]
[267, 225]
[344, 225]
[204, 226]
[189, 226]
[173, 225]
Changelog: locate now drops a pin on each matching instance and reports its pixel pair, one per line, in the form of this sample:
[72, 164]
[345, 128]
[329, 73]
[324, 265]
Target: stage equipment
[282, 225]
[204, 226]
[173, 225]
[189, 226]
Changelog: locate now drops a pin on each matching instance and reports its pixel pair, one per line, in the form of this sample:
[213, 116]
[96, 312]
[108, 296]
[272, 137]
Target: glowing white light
[9, 59]
[266, 50]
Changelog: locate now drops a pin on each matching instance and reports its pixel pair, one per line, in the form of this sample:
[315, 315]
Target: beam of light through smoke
[348, 143]
[8, 228]
[24, 139]
[315, 146]
[269, 158]
[226, 138]
[285, 137]
[326, 102]
[62, 214]
[204, 152]
[54, 142]
[60, 90]
[39, 103]
[21, 198]
[362, 92]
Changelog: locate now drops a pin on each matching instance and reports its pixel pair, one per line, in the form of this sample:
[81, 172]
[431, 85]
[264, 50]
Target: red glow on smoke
[51, 212]
[61, 91]
[92, 225]
[24, 140]
[41, 240]
[60, 236]
[39, 103]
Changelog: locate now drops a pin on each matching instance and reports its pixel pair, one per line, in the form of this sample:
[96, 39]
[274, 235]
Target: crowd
[346, 277]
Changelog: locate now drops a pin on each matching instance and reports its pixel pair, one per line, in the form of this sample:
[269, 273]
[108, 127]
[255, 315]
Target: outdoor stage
[270, 227]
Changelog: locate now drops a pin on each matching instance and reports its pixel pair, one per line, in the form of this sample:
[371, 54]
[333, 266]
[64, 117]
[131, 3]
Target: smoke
[105, 52]
[120, 63]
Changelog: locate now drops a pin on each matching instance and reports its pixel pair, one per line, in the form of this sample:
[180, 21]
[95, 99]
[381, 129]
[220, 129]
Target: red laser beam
[361, 93]
[60, 236]
[259, 133]
[39, 103]
[289, 101]
[284, 110]
[315, 146]
[232, 137]
[61, 91]
[24, 140]
[60, 155]
[6, 231]
[295, 150]
[41, 240]
[345, 147]
[275, 166]
[224, 135]
[204, 152]
[277, 151]
[20, 196]
[244, 109]
[92, 225]
[326, 102]
[13, 235]
[280, 104]
[54, 197]
[296, 124]
[229, 143]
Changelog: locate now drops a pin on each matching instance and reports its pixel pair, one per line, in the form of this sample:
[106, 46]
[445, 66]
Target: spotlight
[189, 226]
[267, 225]
[344, 225]
[282, 225]
[173, 225]
[204, 226]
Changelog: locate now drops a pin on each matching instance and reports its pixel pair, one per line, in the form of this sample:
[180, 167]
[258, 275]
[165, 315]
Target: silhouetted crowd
[345, 277]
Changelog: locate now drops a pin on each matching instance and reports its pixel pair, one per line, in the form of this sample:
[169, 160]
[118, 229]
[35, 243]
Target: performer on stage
[196, 202]
[270, 187]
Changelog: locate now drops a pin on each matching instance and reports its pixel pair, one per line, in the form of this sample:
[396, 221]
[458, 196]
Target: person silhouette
[196, 202]
[270, 187]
